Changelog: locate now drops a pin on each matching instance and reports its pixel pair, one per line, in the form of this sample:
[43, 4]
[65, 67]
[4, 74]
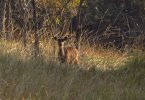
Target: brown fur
[67, 54]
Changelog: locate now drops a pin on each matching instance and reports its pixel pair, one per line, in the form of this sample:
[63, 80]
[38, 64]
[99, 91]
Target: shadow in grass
[38, 79]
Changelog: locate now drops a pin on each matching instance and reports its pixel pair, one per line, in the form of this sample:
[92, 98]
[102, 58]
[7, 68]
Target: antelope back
[71, 55]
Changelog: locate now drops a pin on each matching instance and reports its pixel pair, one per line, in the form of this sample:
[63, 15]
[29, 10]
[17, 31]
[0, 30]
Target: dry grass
[102, 75]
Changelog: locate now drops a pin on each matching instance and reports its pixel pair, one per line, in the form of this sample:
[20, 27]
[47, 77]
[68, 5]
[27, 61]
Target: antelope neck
[61, 50]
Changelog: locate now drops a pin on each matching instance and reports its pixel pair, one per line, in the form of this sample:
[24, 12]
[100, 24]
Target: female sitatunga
[66, 54]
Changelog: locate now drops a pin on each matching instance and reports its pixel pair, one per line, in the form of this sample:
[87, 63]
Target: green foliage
[59, 10]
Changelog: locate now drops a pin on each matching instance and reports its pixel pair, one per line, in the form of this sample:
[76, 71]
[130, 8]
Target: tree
[36, 43]
[2, 15]
[79, 23]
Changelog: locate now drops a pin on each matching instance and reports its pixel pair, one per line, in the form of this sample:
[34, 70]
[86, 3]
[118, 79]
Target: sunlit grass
[103, 59]
[100, 58]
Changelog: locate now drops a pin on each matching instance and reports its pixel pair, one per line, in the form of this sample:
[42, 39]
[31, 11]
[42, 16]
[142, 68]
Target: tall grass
[43, 78]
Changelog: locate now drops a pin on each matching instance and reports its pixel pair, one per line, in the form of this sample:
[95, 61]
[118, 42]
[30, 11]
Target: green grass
[24, 78]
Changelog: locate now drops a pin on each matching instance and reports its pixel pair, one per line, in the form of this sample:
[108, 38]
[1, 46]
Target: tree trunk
[79, 25]
[25, 18]
[8, 20]
[24, 32]
[36, 43]
[2, 3]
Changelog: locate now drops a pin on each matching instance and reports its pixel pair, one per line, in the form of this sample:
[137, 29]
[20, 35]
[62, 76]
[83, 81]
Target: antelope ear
[65, 38]
[55, 38]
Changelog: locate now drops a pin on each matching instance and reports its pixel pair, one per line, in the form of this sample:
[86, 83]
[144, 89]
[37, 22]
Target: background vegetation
[109, 34]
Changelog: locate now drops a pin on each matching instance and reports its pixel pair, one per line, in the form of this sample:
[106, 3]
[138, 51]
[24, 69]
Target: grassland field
[101, 74]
